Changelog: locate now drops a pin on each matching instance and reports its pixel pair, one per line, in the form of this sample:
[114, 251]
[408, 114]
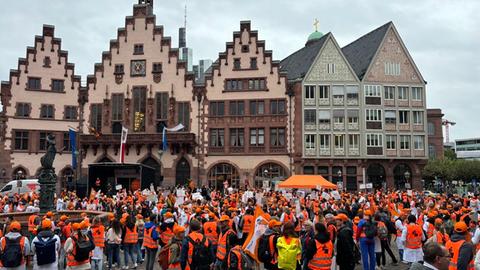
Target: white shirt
[476, 236]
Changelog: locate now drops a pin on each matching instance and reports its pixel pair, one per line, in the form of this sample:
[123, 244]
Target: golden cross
[316, 23]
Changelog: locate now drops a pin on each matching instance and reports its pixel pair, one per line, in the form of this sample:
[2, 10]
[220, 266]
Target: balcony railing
[338, 100]
[310, 152]
[309, 101]
[324, 101]
[324, 151]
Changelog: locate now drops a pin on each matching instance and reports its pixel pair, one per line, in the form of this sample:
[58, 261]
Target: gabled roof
[298, 63]
[360, 53]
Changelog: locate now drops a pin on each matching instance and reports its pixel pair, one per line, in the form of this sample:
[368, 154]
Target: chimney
[182, 37]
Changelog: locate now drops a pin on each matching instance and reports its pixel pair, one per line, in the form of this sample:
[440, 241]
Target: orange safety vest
[196, 237]
[381, 224]
[322, 260]
[454, 249]
[414, 236]
[166, 235]
[247, 223]
[131, 236]
[332, 230]
[442, 239]
[31, 224]
[237, 251]
[420, 220]
[273, 251]
[287, 218]
[148, 241]
[210, 231]
[222, 245]
[22, 246]
[71, 257]
[99, 236]
[430, 230]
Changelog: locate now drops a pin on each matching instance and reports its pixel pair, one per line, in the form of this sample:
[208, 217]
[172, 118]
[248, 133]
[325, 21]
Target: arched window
[269, 172]
[222, 172]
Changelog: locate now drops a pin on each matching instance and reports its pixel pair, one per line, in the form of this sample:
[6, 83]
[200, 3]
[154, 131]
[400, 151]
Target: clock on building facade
[138, 68]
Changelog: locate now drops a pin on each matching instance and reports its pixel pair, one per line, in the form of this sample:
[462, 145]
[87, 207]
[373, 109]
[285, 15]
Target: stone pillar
[47, 180]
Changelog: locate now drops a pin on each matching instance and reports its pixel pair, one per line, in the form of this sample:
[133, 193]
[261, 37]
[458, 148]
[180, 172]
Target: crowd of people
[201, 229]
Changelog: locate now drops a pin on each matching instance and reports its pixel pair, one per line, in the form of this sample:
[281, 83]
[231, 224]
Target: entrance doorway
[182, 172]
[376, 175]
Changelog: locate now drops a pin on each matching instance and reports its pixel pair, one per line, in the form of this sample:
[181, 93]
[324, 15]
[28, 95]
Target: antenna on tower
[185, 16]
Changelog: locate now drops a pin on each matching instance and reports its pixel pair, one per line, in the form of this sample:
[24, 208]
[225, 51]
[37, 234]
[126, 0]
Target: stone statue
[47, 178]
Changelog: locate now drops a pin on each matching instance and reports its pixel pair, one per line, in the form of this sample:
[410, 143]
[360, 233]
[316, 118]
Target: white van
[20, 187]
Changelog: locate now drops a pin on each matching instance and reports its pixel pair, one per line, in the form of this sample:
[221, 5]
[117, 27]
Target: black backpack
[391, 227]
[45, 250]
[264, 254]
[370, 229]
[201, 257]
[12, 254]
[83, 247]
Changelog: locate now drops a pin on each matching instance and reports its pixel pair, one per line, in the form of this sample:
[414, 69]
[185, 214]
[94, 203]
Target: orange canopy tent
[307, 181]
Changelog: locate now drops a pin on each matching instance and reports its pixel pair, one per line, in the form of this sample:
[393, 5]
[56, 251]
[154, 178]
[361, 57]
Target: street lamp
[340, 179]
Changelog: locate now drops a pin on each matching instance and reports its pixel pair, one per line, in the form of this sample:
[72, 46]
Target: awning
[338, 90]
[338, 113]
[307, 182]
[352, 113]
[323, 115]
[352, 89]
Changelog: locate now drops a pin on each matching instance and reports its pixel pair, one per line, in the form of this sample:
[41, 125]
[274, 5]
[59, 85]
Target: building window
[353, 141]
[390, 117]
[139, 109]
[339, 141]
[96, 117]
[253, 63]
[324, 117]
[257, 136]
[162, 105]
[417, 93]
[403, 93]
[217, 108]
[372, 91]
[234, 85]
[308, 170]
[373, 115]
[374, 140]
[403, 117]
[21, 140]
[58, 85]
[34, 83]
[418, 142]
[256, 84]
[431, 129]
[310, 91]
[245, 48]
[138, 49]
[389, 92]
[310, 141]
[324, 141]
[391, 141]
[352, 119]
[392, 69]
[404, 142]
[323, 93]
[42, 144]
[432, 151]
[417, 117]
[237, 137]
[66, 142]
[257, 107]
[184, 114]
[23, 110]
[338, 91]
[119, 69]
[352, 92]
[157, 68]
[237, 108]
[71, 113]
[236, 63]
[277, 136]
[47, 111]
[330, 68]
[309, 117]
[277, 106]
[217, 136]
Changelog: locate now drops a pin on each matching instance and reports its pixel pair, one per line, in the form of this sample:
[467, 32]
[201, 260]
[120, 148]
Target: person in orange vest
[428, 226]
[319, 253]
[211, 231]
[15, 260]
[439, 235]
[331, 226]
[33, 222]
[271, 235]
[166, 228]
[246, 223]
[234, 261]
[45, 247]
[130, 240]
[288, 216]
[98, 234]
[175, 246]
[226, 238]
[150, 243]
[412, 237]
[461, 251]
[74, 259]
[196, 243]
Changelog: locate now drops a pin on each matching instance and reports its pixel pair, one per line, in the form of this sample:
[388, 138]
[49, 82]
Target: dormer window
[138, 49]
[236, 63]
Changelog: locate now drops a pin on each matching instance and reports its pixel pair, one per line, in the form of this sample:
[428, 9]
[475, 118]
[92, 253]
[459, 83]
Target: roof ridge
[369, 33]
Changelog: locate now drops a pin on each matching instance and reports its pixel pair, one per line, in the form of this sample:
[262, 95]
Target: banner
[259, 228]
[164, 134]
[72, 134]
[123, 141]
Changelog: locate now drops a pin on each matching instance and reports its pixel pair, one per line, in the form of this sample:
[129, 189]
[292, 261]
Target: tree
[450, 154]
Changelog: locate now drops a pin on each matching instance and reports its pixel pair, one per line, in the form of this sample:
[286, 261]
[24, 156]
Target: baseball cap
[460, 227]
[224, 218]
[46, 224]
[342, 217]
[15, 226]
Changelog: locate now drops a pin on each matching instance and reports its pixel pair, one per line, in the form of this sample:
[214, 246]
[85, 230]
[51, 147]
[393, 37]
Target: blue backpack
[45, 250]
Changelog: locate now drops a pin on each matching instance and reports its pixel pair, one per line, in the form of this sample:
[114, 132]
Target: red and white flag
[123, 141]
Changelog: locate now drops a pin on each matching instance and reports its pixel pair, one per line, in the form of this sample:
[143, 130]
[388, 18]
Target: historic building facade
[246, 130]
[40, 98]
[435, 133]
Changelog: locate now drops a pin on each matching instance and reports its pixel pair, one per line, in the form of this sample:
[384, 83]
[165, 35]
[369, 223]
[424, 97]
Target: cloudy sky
[443, 37]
